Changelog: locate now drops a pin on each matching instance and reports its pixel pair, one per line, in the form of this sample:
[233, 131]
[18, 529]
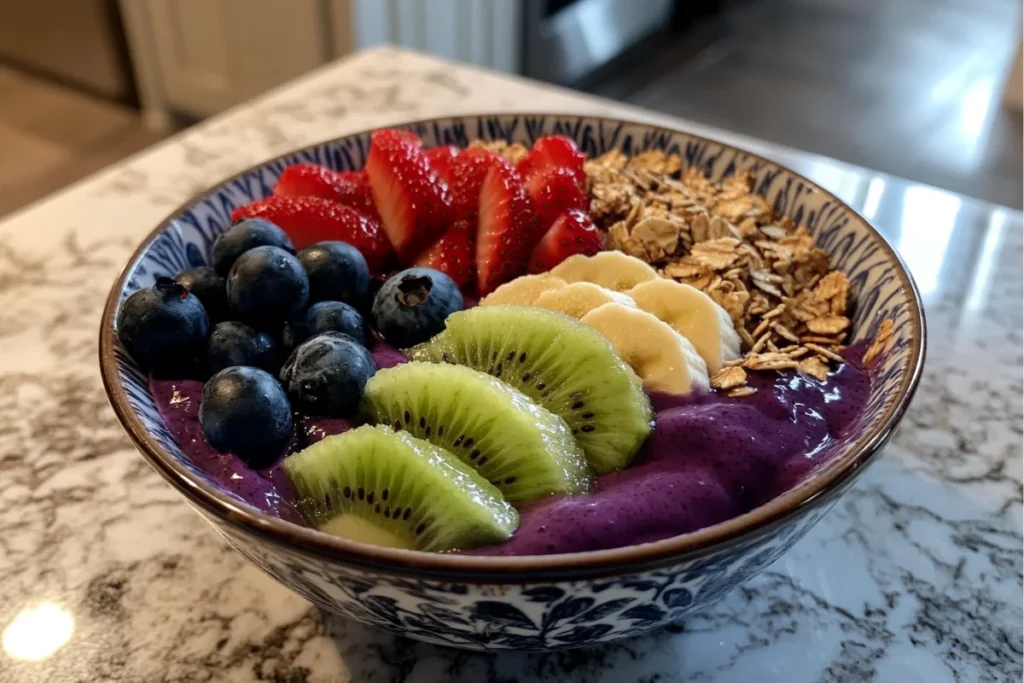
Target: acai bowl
[675, 450]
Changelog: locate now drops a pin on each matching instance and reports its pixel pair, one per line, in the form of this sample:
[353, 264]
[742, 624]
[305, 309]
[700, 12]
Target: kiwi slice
[378, 486]
[520, 447]
[567, 367]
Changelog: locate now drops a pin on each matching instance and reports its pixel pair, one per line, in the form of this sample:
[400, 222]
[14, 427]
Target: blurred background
[925, 89]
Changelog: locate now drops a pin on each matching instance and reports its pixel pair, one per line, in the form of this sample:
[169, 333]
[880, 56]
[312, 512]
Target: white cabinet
[207, 55]
[198, 57]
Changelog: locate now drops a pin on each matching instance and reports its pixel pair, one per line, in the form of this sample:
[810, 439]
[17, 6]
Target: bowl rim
[763, 520]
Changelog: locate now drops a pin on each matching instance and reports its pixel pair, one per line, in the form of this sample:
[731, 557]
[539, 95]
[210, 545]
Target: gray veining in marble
[916, 575]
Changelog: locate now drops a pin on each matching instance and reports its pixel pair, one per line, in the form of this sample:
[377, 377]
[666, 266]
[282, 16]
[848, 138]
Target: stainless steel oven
[564, 40]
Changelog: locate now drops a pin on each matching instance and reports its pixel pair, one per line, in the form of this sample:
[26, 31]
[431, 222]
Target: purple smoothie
[708, 459]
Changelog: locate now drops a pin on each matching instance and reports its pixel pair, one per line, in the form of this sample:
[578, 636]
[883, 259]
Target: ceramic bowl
[531, 603]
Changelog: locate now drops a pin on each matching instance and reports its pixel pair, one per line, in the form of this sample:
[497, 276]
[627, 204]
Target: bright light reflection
[873, 198]
[982, 281]
[929, 217]
[38, 632]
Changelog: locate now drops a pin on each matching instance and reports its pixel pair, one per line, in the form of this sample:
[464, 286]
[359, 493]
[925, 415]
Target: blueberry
[162, 327]
[241, 237]
[325, 376]
[267, 285]
[412, 306]
[208, 287]
[245, 411]
[337, 272]
[233, 343]
[324, 316]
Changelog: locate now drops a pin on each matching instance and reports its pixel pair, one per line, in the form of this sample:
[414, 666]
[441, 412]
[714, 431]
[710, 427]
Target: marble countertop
[915, 575]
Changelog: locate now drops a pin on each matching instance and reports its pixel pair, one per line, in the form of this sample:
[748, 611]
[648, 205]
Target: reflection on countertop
[915, 575]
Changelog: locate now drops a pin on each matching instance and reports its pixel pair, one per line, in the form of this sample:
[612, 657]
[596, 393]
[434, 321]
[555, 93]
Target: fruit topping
[337, 271]
[440, 161]
[507, 229]
[412, 306]
[413, 202]
[455, 252]
[163, 326]
[523, 291]
[663, 358]
[377, 486]
[555, 191]
[553, 151]
[453, 255]
[469, 169]
[580, 298]
[520, 447]
[325, 375]
[267, 285]
[243, 236]
[324, 316]
[208, 287]
[309, 220]
[565, 366]
[350, 188]
[572, 233]
[233, 343]
[245, 411]
[693, 314]
[610, 269]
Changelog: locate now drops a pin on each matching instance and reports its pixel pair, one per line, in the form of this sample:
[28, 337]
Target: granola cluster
[788, 305]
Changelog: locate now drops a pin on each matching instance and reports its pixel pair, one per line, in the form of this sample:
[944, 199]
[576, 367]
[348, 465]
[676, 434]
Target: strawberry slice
[553, 192]
[440, 160]
[572, 233]
[308, 220]
[553, 151]
[469, 169]
[506, 229]
[414, 203]
[452, 255]
[312, 180]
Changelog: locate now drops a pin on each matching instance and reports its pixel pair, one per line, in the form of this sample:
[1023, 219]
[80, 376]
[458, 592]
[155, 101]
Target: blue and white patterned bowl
[535, 603]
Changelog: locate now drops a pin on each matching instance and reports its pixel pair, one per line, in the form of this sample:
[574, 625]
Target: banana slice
[523, 291]
[610, 269]
[662, 357]
[579, 298]
[693, 314]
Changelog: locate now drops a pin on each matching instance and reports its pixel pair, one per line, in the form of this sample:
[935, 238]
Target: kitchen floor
[909, 87]
[51, 136]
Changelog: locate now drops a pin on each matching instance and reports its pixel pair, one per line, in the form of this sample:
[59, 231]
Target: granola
[787, 303]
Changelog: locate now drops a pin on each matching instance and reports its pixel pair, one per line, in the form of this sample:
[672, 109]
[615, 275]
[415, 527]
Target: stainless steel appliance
[564, 40]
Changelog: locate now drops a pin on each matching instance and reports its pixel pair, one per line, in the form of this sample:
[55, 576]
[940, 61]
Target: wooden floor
[51, 136]
[910, 87]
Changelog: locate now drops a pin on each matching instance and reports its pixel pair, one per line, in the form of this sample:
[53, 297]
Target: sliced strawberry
[452, 255]
[553, 192]
[407, 135]
[314, 219]
[440, 160]
[312, 180]
[506, 229]
[553, 151]
[414, 204]
[572, 233]
[469, 169]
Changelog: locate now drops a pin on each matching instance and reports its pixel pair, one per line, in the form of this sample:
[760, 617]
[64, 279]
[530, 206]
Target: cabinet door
[213, 54]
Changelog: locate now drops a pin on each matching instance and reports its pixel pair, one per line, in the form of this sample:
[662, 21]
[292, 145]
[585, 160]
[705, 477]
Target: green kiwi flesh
[562, 364]
[520, 447]
[375, 485]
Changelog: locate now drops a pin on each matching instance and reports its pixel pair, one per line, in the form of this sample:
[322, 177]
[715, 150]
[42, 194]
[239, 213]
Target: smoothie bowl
[513, 381]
